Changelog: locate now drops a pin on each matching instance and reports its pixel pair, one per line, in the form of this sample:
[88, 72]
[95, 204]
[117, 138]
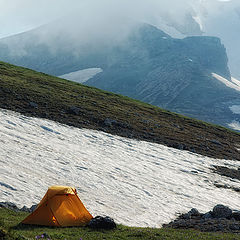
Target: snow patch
[198, 20]
[235, 81]
[81, 76]
[235, 109]
[235, 125]
[137, 183]
[229, 84]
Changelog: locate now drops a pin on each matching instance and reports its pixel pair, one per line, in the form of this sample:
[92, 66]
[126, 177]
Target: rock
[25, 209]
[234, 227]
[221, 211]
[215, 142]
[74, 110]
[179, 146]
[192, 213]
[207, 215]
[236, 215]
[100, 222]
[113, 123]
[33, 104]
[9, 205]
[33, 207]
[13, 206]
[221, 219]
[109, 122]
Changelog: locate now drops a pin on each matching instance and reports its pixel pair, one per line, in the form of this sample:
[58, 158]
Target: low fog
[110, 21]
[103, 18]
[84, 20]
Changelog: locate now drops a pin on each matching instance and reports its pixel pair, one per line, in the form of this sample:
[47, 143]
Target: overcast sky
[21, 15]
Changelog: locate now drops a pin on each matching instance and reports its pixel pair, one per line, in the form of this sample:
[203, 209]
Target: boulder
[192, 213]
[100, 222]
[74, 110]
[221, 211]
[25, 209]
[236, 215]
[33, 207]
[207, 215]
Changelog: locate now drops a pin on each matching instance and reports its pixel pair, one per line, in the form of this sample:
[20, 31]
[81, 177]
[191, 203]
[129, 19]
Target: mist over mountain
[221, 19]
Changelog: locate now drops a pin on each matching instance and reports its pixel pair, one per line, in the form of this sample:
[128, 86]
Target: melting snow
[136, 182]
[234, 84]
[81, 76]
[235, 81]
[234, 125]
[235, 109]
[198, 20]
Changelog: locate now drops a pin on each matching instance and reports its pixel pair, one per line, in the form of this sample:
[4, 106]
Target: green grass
[41, 95]
[10, 223]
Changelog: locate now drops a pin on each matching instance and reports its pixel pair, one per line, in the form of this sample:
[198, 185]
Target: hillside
[40, 95]
[12, 230]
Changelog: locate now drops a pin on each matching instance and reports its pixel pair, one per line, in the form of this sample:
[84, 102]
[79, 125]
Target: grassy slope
[9, 222]
[41, 95]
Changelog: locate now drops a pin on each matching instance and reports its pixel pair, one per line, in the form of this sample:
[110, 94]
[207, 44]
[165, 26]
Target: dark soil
[227, 172]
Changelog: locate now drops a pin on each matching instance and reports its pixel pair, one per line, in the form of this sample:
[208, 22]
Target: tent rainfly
[60, 207]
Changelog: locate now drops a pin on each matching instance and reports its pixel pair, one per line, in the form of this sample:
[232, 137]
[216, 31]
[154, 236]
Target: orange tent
[60, 207]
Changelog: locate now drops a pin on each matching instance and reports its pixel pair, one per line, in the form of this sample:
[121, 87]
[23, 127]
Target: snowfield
[82, 76]
[135, 182]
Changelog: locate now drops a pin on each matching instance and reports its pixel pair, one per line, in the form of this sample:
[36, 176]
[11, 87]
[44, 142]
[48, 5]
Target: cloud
[21, 15]
[103, 21]
[17, 15]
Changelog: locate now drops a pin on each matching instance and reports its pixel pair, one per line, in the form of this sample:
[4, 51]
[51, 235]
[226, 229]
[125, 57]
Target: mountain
[44, 96]
[175, 74]
[149, 65]
[209, 18]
